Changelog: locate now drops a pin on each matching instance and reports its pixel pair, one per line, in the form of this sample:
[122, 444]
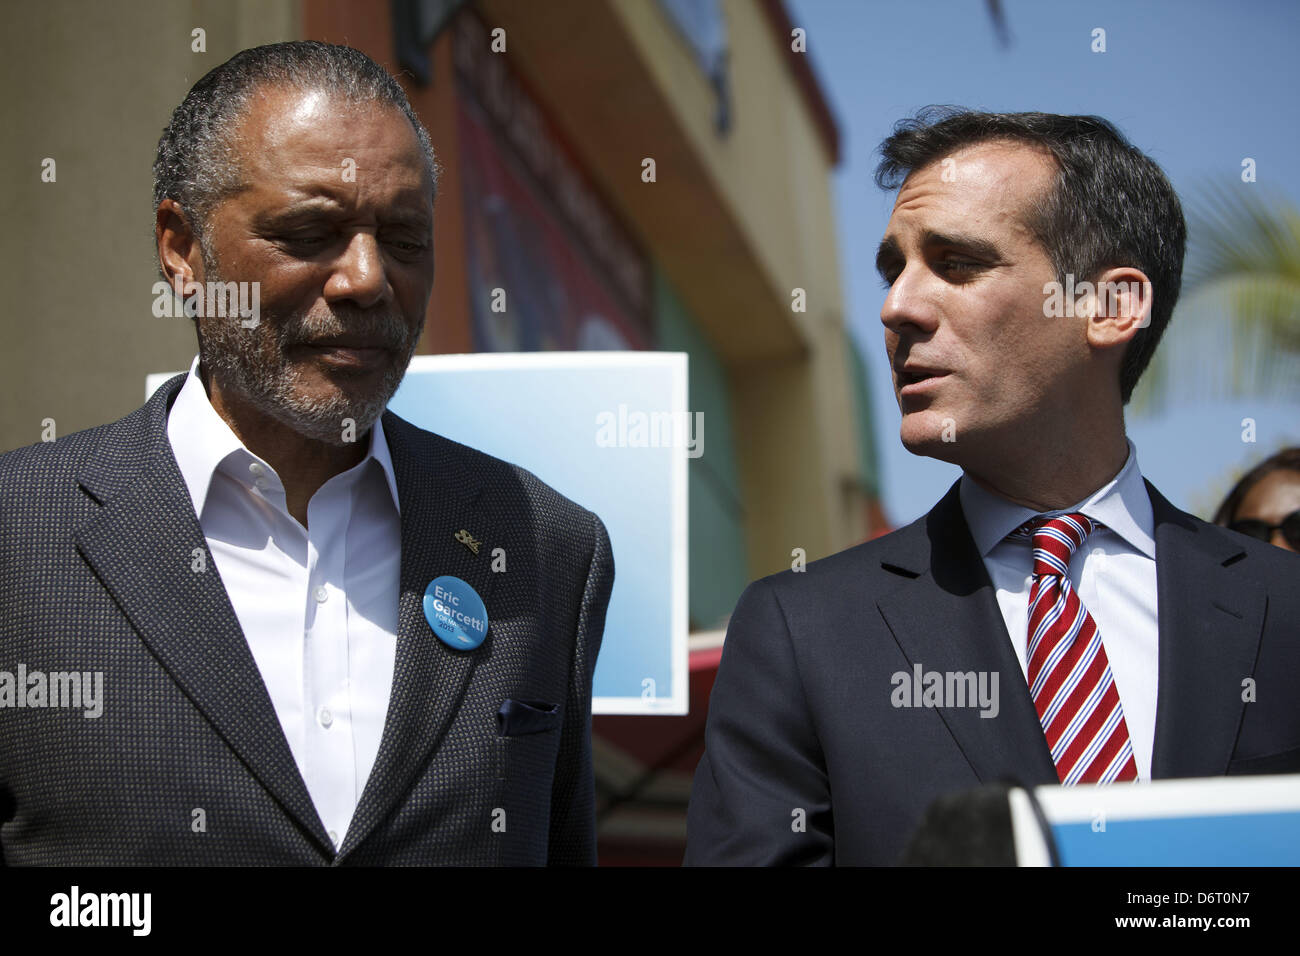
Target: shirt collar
[203, 443]
[1122, 505]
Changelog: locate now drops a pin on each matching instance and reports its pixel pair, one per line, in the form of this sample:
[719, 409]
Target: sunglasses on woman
[1290, 527]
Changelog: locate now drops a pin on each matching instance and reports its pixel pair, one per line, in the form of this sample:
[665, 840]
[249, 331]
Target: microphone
[973, 828]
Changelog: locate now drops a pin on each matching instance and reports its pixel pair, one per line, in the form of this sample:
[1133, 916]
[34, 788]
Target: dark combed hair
[1288, 459]
[1111, 205]
[197, 164]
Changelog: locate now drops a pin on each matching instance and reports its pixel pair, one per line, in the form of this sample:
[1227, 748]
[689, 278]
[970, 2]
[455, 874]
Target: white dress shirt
[1113, 572]
[317, 605]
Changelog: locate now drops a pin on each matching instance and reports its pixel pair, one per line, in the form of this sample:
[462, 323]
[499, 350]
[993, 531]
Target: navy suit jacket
[808, 761]
[485, 756]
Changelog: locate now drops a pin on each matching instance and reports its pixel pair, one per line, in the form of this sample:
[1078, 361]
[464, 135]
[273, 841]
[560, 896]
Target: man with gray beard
[308, 658]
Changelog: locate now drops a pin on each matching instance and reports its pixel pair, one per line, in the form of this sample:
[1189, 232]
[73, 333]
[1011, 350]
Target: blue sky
[1196, 85]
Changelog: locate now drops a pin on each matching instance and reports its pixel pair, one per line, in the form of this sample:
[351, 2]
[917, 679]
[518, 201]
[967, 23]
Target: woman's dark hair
[1288, 459]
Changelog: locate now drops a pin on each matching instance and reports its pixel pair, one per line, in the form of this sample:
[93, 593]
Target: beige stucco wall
[90, 85]
[774, 173]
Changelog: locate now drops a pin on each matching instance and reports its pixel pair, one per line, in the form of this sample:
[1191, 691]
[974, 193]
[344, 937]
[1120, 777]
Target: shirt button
[326, 718]
[257, 469]
[334, 837]
[261, 483]
[322, 595]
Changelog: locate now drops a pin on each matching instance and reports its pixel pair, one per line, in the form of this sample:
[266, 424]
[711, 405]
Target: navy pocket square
[519, 717]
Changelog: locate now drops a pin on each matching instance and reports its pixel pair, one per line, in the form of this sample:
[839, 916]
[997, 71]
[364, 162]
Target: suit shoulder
[105, 455]
[1228, 543]
[863, 567]
[48, 462]
[1275, 566]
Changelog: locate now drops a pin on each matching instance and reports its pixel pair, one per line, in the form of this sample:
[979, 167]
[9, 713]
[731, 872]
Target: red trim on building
[778, 18]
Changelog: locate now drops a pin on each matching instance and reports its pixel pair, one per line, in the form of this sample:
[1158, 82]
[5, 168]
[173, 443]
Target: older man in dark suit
[281, 596]
[1053, 619]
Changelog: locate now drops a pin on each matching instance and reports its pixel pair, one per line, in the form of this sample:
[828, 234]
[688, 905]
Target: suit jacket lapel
[945, 617]
[141, 545]
[438, 497]
[1210, 626]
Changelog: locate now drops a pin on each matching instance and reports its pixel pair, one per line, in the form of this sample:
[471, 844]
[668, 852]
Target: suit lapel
[1210, 625]
[945, 617]
[141, 545]
[438, 497]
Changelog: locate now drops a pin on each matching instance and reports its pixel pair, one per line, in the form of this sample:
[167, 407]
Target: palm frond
[1240, 306]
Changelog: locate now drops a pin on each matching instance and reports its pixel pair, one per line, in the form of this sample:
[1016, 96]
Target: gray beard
[254, 363]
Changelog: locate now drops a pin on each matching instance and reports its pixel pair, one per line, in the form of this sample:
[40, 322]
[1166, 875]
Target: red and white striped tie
[1069, 675]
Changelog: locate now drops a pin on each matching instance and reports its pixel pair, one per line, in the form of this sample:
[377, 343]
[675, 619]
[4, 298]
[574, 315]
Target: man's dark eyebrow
[978, 248]
[323, 204]
[298, 208]
[886, 253]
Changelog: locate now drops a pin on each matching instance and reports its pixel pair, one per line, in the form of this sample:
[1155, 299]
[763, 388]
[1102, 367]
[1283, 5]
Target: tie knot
[1055, 540]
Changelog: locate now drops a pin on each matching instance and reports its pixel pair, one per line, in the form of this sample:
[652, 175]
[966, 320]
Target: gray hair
[196, 163]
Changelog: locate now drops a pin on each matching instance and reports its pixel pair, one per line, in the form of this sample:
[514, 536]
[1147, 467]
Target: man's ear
[1120, 306]
[179, 256]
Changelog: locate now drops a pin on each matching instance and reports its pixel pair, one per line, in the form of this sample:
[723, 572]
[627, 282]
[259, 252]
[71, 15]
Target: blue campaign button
[455, 612]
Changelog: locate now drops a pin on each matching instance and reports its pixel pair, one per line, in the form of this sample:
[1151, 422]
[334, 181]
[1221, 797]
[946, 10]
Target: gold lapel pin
[467, 539]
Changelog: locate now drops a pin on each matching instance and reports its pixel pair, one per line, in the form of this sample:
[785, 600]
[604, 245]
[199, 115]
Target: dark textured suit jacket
[801, 716]
[97, 534]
